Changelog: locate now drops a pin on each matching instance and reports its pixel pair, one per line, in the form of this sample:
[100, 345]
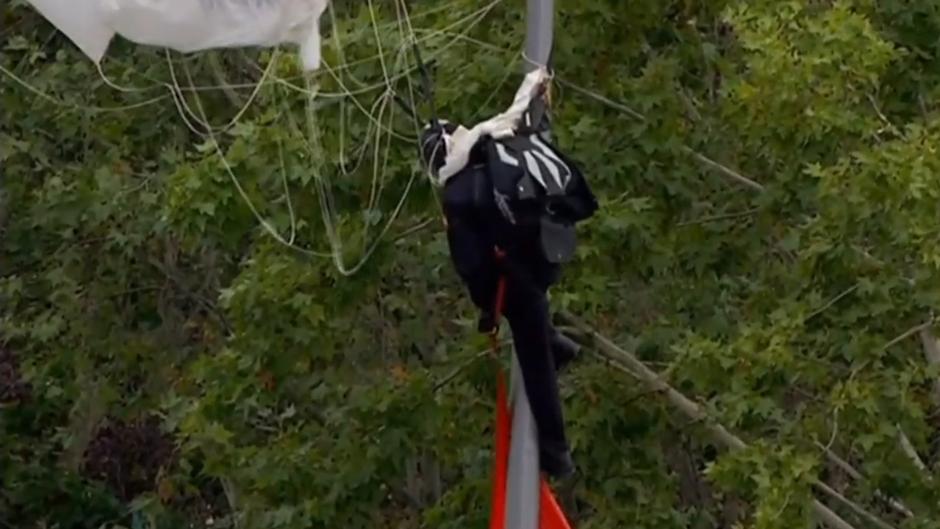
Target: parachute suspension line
[241, 112]
[271, 230]
[71, 106]
[421, 67]
[378, 172]
[371, 129]
[180, 107]
[346, 93]
[210, 132]
[326, 200]
[342, 102]
[179, 101]
[126, 89]
[385, 161]
[402, 8]
[328, 206]
[290, 205]
[343, 66]
[325, 197]
[378, 45]
[473, 18]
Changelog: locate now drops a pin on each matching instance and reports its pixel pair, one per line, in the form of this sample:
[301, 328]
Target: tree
[174, 349]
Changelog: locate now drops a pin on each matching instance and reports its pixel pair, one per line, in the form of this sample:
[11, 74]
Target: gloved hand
[487, 323]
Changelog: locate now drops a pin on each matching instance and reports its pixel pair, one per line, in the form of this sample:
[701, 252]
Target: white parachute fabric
[189, 25]
[461, 142]
[81, 21]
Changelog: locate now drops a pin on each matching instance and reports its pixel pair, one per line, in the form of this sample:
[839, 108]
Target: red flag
[550, 514]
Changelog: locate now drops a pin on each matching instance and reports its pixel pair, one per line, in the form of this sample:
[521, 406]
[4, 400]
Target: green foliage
[141, 282]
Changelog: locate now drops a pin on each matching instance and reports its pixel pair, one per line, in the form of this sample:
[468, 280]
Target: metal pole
[540, 21]
[539, 38]
[523, 480]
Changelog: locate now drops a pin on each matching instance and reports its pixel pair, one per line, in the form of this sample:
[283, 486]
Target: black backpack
[534, 182]
[527, 179]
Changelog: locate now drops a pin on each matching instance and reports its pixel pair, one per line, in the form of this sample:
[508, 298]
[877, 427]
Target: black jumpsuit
[474, 232]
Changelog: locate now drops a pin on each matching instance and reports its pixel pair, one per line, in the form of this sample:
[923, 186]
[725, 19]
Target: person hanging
[511, 200]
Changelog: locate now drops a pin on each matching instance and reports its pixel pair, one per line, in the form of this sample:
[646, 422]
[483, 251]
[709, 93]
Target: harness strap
[499, 302]
[503, 414]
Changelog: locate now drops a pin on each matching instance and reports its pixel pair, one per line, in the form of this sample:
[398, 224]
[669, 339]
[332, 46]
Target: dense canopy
[225, 297]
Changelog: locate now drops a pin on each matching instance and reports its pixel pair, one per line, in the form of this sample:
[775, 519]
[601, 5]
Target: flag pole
[524, 480]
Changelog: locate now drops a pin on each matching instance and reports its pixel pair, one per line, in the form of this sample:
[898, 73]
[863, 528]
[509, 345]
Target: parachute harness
[503, 420]
[499, 303]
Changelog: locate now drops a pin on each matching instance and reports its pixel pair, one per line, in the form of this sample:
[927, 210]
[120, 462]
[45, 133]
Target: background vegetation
[769, 175]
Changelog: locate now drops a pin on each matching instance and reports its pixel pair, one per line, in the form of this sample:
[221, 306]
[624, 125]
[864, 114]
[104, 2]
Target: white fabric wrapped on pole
[461, 142]
[189, 25]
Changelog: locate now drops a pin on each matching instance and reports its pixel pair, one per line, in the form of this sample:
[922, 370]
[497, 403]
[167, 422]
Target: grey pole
[523, 480]
[540, 21]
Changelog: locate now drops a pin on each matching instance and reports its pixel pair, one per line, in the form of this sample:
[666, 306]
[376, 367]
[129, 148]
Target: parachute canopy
[189, 25]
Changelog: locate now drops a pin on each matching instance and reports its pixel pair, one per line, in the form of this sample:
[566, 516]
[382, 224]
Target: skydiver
[510, 212]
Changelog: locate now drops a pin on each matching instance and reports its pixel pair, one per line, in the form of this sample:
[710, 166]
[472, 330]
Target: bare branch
[908, 448]
[856, 508]
[725, 170]
[701, 158]
[725, 216]
[457, 370]
[907, 334]
[932, 354]
[832, 302]
[627, 362]
[414, 229]
[602, 99]
[856, 475]
[884, 119]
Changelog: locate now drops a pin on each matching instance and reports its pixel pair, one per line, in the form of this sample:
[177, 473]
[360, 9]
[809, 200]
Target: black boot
[556, 463]
[564, 350]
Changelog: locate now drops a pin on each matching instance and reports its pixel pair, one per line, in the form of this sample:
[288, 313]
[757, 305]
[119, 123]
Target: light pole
[523, 479]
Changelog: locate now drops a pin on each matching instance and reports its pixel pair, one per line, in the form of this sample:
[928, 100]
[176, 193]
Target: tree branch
[615, 355]
[932, 354]
[856, 508]
[713, 218]
[856, 475]
[725, 170]
[701, 158]
[456, 372]
[908, 448]
[414, 229]
[832, 302]
[907, 334]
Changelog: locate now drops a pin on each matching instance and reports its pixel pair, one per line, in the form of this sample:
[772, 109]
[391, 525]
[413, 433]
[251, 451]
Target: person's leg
[545, 274]
[474, 264]
[527, 312]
